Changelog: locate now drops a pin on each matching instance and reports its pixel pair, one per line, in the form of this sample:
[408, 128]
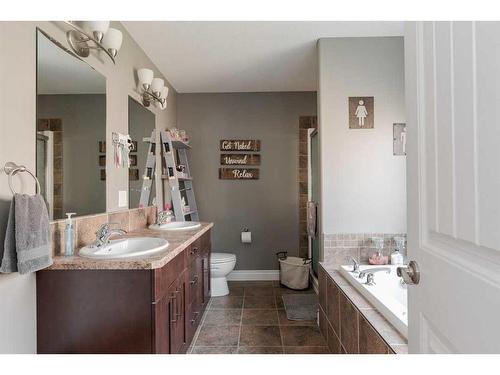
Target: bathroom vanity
[135, 305]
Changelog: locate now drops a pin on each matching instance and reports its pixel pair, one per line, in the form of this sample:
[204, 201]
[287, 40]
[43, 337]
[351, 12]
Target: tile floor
[252, 320]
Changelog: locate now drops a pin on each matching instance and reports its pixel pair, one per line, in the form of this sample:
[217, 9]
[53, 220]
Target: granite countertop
[386, 330]
[178, 241]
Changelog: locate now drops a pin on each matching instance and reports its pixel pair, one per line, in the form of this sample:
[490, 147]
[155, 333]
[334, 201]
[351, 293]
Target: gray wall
[17, 143]
[83, 126]
[268, 206]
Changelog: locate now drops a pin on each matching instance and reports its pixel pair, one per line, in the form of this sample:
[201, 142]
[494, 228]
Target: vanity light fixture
[153, 89]
[99, 34]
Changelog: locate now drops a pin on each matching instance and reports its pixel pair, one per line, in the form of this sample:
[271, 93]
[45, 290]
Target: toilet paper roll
[246, 237]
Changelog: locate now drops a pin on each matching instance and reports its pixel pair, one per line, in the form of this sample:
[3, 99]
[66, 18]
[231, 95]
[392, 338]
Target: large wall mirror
[141, 123]
[71, 131]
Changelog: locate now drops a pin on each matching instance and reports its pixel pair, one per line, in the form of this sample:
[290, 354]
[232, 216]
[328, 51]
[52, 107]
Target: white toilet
[221, 264]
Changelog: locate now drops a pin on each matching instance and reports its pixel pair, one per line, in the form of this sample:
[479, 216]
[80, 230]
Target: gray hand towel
[27, 246]
[9, 257]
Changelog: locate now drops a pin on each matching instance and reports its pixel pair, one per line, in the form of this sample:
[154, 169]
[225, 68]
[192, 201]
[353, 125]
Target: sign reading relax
[238, 174]
[239, 145]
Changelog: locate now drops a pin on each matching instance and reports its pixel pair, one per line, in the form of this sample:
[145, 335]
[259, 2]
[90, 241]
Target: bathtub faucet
[373, 270]
[355, 265]
[370, 279]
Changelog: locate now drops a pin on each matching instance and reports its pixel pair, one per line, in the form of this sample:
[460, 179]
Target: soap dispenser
[396, 257]
[69, 235]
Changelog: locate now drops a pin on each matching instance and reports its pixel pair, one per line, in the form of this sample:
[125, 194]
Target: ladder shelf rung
[180, 144]
[167, 177]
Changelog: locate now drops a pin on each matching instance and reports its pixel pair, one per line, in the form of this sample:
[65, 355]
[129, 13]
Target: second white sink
[127, 247]
[176, 225]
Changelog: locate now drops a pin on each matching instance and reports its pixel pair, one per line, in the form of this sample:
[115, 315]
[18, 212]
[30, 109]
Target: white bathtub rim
[400, 325]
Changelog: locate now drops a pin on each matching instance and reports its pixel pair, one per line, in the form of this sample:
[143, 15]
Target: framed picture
[102, 147]
[133, 174]
[133, 160]
[102, 160]
[103, 175]
[134, 146]
[361, 112]
[399, 139]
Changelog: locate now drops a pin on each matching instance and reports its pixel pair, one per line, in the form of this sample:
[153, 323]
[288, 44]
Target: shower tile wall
[305, 123]
[340, 247]
[55, 126]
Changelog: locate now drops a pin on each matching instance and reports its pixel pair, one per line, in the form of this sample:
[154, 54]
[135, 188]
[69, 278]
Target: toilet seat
[218, 258]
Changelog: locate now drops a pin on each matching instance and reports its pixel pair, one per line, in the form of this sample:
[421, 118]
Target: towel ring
[11, 169]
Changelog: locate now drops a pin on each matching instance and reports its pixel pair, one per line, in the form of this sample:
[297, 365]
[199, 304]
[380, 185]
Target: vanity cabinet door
[206, 250]
[176, 295]
[195, 282]
[206, 278]
[162, 318]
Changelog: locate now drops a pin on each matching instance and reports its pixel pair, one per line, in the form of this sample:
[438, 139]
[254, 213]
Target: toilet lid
[222, 258]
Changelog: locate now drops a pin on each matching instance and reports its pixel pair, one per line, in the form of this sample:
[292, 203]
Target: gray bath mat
[300, 306]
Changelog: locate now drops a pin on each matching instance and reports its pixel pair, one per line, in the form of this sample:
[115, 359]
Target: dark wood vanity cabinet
[125, 311]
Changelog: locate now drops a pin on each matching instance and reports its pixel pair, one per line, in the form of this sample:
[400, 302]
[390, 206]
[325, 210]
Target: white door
[453, 105]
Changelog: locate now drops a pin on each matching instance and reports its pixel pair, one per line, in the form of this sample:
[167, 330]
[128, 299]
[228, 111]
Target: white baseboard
[250, 275]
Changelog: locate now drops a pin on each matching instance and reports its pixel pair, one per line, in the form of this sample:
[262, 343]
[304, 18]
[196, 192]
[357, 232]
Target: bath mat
[300, 306]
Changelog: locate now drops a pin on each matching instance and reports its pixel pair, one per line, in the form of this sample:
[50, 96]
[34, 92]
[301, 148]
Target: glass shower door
[314, 194]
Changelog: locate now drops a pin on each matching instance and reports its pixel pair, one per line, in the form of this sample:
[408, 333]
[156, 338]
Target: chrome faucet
[371, 271]
[104, 234]
[355, 265]
[164, 216]
[370, 279]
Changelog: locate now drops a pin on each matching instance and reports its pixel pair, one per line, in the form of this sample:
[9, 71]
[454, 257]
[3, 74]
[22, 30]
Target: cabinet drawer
[206, 243]
[195, 281]
[193, 251]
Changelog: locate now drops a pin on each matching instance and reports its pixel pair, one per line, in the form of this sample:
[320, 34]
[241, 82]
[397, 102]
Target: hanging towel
[27, 246]
[311, 219]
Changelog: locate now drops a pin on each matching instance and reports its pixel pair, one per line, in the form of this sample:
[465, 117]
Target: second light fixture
[153, 89]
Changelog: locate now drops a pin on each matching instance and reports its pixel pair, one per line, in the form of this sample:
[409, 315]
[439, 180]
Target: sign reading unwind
[240, 159]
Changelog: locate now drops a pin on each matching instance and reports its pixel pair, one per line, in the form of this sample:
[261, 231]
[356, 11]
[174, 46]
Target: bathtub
[389, 295]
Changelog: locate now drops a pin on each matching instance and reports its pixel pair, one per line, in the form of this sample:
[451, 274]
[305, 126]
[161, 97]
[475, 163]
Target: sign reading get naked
[239, 145]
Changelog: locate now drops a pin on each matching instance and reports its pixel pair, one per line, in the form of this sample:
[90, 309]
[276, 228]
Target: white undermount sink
[126, 247]
[176, 225]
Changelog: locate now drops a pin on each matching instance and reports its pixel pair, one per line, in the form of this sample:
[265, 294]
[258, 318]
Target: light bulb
[157, 86]
[164, 92]
[97, 28]
[145, 77]
[112, 41]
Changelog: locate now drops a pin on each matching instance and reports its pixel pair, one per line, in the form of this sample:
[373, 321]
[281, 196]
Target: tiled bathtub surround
[349, 323]
[340, 247]
[86, 226]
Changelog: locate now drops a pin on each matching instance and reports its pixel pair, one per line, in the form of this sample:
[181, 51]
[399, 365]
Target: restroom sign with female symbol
[361, 112]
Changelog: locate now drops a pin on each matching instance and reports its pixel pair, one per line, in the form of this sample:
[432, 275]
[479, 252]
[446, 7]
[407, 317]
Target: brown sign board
[239, 145]
[240, 159]
[238, 174]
